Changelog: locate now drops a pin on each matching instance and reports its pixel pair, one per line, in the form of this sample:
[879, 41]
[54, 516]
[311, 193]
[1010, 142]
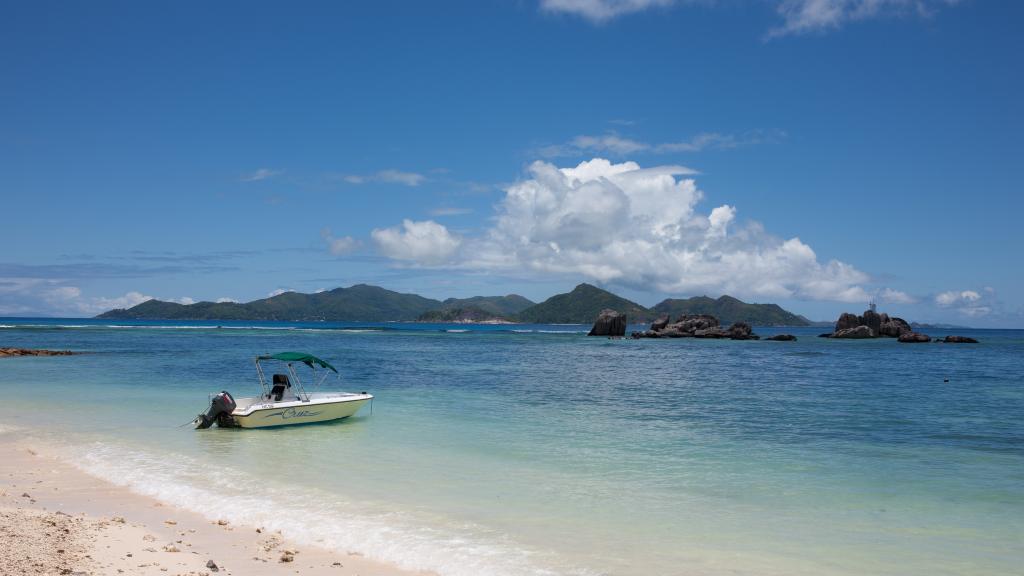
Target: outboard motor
[220, 411]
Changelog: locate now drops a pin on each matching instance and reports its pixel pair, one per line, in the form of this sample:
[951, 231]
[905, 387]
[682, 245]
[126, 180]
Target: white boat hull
[320, 408]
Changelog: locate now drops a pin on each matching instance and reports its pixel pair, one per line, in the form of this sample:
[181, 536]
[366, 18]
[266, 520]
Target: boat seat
[281, 385]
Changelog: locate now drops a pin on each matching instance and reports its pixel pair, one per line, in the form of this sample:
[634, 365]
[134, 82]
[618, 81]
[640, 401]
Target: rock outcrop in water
[958, 340]
[782, 338]
[609, 323]
[871, 324]
[696, 326]
[30, 352]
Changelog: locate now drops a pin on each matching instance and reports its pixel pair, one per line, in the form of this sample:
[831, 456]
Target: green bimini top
[307, 359]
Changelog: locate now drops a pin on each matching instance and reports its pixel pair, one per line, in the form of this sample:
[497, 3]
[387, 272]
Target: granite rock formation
[877, 325]
[609, 323]
[30, 352]
[696, 326]
[958, 340]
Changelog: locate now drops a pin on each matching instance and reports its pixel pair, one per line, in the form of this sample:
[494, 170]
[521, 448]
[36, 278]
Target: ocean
[535, 450]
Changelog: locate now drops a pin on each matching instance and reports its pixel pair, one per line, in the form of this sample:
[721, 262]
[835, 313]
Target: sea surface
[535, 450]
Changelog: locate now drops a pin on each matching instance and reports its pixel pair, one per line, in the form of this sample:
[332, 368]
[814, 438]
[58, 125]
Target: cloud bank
[632, 226]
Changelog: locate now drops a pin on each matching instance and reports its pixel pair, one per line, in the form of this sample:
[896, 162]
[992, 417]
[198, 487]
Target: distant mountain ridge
[581, 306]
[366, 303]
[509, 305]
[359, 303]
[728, 310]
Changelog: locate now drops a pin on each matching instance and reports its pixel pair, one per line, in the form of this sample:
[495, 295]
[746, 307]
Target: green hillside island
[509, 305]
[359, 303]
[581, 306]
[465, 315]
[365, 303]
[728, 310]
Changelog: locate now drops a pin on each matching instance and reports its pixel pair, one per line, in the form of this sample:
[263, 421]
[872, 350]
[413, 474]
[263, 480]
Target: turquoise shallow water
[536, 450]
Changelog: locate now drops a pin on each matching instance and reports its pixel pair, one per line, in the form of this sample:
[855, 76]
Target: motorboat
[285, 401]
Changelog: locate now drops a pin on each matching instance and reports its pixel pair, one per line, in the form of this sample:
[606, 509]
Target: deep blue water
[537, 450]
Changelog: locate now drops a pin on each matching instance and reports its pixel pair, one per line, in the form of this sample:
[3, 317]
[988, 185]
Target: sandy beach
[56, 519]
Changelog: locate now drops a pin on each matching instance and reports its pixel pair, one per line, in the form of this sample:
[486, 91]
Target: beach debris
[222, 522]
[287, 556]
[171, 548]
[339, 564]
[149, 538]
[212, 566]
[118, 519]
[171, 522]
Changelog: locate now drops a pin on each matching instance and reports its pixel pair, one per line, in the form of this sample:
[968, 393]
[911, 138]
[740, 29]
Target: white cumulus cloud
[946, 299]
[970, 303]
[425, 242]
[613, 144]
[97, 305]
[261, 174]
[338, 246]
[798, 16]
[387, 176]
[633, 226]
[801, 16]
[891, 296]
[600, 10]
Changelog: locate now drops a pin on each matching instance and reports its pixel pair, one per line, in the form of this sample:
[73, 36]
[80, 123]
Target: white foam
[313, 517]
[457, 331]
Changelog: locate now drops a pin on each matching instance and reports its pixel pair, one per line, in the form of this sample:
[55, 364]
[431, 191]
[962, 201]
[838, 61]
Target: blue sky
[814, 153]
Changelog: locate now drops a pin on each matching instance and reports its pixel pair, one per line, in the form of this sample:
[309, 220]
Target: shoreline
[57, 519]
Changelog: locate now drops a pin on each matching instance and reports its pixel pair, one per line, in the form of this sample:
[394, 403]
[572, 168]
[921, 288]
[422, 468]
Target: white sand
[56, 519]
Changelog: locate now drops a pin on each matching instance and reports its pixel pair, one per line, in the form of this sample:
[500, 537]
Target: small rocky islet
[31, 352]
[870, 324]
[613, 324]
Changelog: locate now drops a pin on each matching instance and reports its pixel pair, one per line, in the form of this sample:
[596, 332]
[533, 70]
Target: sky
[818, 154]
